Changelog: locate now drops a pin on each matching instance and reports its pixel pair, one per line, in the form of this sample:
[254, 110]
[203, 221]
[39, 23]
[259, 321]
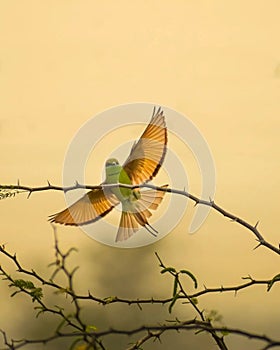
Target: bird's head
[112, 168]
[112, 162]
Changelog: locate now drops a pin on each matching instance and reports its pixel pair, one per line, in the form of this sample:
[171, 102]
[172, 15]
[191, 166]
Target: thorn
[257, 246]
[257, 223]
[48, 183]
[202, 312]
[157, 336]
[195, 204]
[247, 278]
[76, 183]
[18, 182]
[29, 194]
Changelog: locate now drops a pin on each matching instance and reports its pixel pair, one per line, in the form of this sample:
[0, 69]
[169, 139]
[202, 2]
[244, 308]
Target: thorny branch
[72, 320]
[253, 228]
[114, 299]
[151, 332]
[81, 332]
[72, 325]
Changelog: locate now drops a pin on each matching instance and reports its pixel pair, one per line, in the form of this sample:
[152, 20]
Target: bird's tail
[135, 213]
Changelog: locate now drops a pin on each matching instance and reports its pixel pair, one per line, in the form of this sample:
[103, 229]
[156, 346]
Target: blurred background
[218, 63]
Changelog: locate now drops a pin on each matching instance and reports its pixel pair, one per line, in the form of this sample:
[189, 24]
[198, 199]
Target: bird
[142, 165]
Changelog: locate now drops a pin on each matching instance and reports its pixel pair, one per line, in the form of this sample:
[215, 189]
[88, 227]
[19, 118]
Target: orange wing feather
[90, 208]
[147, 155]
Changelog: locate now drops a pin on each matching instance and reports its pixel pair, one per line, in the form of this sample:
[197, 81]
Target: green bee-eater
[143, 163]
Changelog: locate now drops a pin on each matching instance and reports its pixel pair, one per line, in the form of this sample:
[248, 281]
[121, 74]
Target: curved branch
[253, 228]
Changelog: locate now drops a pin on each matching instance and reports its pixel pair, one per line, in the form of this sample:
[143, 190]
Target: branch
[60, 263]
[253, 228]
[151, 332]
[178, 290]
[92, 338]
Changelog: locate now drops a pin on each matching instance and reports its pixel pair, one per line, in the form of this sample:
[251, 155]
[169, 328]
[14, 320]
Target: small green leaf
[41, 309]
[91, 328]
[175, 286]
[213, 315]
[62, 291]
[23, 284]
[225, 332]
[186, 272]
[79, 347]
[271, 283]
[7, 193]
[109, 300]
[194, 300]
[176, 296]
[35, 293]
[168, 269]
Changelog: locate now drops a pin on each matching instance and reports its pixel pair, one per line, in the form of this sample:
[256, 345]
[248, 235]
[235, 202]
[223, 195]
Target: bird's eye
[112, 163]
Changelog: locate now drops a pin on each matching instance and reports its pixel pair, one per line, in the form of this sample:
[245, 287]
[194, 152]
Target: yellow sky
[62, 62]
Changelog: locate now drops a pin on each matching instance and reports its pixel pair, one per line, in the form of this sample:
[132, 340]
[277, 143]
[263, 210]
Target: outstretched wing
[147, 155]
[90, 208]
